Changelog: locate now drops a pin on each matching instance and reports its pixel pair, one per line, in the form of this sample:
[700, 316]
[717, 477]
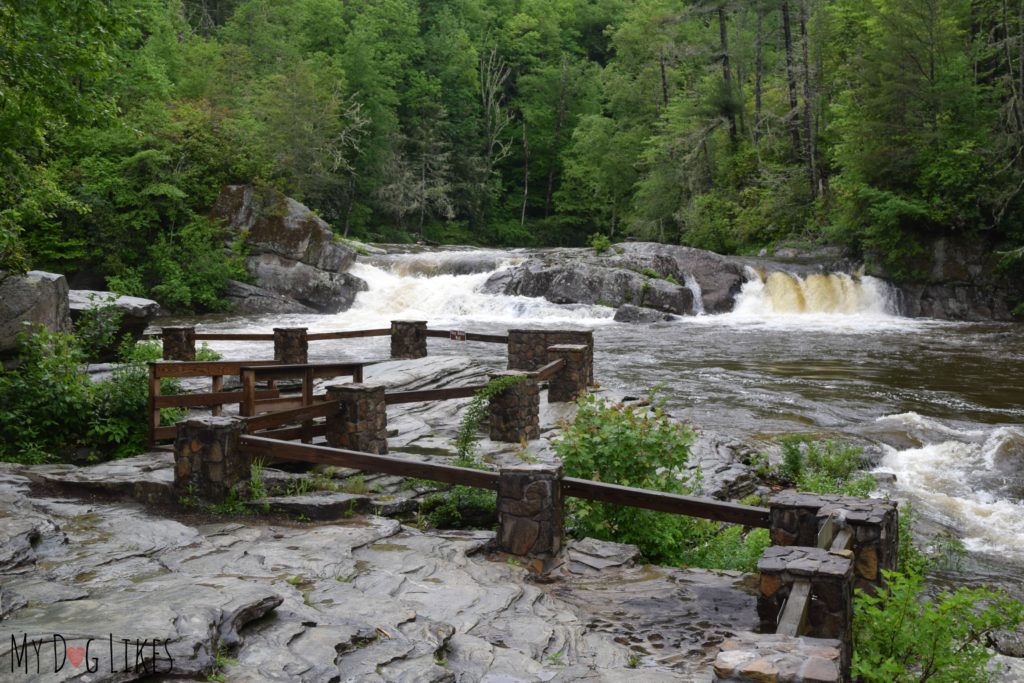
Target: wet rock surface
[35, 298]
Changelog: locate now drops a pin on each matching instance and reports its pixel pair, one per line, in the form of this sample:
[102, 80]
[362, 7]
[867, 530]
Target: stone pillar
[531, 517]
[361, 423]
[528, 349]
[408, 339]
[515, 412]
[207, 461]
[291, 346]
[797, 517]
[179, 343]
[573, 379]
[830, 612]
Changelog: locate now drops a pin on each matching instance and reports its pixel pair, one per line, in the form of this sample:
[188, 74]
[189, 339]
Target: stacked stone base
[361, 423]
[760, 657]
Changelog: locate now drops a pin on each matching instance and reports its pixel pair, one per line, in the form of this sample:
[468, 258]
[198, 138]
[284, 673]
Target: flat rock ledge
[365, 599]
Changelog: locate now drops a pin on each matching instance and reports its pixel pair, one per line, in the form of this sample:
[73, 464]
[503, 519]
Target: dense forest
[724, 125]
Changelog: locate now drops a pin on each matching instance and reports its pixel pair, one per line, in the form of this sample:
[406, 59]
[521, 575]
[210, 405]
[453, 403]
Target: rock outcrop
[135, 311]
[290, 251]
[36, 298]
[628, 313]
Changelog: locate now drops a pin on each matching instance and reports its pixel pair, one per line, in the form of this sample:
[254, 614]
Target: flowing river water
[938, 404]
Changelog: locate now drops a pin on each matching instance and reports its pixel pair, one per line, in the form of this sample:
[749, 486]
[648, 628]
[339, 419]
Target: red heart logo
[76, 655]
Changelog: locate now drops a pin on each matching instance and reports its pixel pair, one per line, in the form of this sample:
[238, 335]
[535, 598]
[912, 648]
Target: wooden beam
[283, 417]
[550, 370]
[351, 334]
[271, 449]
[233, 336]
[843, 541]
[827, 532]
[693, 506]
[793, 619]
[431, 395]
[207, 400]
[470, 336]
[204, 368]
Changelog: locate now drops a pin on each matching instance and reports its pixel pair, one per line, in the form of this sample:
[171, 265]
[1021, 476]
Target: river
[938, 404]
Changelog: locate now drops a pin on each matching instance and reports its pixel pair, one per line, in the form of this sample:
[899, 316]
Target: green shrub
[905, 635]
[651, 272]
[96, 331]
[469, 428]
[462, 507]
[642, 447]
[825, 467]
[600, 242]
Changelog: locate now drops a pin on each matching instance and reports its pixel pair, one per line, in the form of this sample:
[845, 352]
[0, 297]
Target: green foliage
[476, 411]
[96, 330]
[825, 467]
[904, 635]
[462, 507]
[600, 242]
[642, 447]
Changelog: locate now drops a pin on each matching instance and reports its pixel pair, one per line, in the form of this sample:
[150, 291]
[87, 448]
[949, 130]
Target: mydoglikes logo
[38, 654]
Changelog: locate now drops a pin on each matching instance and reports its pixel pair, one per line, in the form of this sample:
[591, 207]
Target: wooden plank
[283, 417]
[470, 336]
[350, 334]
[291, 433]
[550, 370]
[431, 395]
[272, 405]
[218, 399]
[793, 619]
[827, 532]
[247, 406]
[843, 540]
[320, 370]
[153, 412]
[161, 433]
[217, 386]
[234, 336]
[693, 506]
[307, 399]
[205, 368]
[271, 449]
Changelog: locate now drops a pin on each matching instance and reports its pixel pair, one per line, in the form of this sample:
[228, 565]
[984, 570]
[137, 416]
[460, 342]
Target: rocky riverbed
[91, 557]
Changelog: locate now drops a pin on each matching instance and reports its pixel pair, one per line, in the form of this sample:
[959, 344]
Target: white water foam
[967, 478]
[446, 299]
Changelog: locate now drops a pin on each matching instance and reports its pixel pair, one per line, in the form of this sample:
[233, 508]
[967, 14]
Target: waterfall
[785, 293]
[691, 284]
[397, 291]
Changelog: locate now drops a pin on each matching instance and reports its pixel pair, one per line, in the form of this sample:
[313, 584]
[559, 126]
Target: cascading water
[785, 293]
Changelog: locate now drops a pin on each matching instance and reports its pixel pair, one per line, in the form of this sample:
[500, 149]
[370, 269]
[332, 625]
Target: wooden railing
[272, 449]
[250, 375]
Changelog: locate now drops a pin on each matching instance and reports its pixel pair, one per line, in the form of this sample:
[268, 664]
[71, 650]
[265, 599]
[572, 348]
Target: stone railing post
[796, 519]
[208, 463]
[408, 339]
[515, 412]
[830, 608]
[528, 349]
[574, 377]
[179, 343]
[361, 423]
[291, 346]
[531, 517]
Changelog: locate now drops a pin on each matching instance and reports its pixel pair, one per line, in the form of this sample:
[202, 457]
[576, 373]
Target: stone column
[408, 339]
[574, 378]
[361, 423]
[515, 412]
[530, 510]
[830, 612]
[207, 461]
[179, 343]
[527, 349]
[291, 346]
[796, 519]
[585, 337]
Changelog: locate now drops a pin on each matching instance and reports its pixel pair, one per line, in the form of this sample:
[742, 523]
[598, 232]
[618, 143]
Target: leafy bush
[462, 507]
[53, 411]
[825, 467]
[600, 242]
[469, 428]
[642, 447]
[904, 635]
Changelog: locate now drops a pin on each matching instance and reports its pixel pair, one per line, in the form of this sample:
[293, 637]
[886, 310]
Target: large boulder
[250, 299]
[289, 249]
[34, 299]
[136, 312]
[580, 282]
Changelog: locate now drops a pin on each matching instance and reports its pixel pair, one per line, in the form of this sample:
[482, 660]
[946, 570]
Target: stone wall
[361, 423]
[179, 343]
[528, 349]
[760, 657]
[531, 517]
[207, 461]
[408, 339]
[515, 412]
[291, 346]
[574, 377]
[797, 517]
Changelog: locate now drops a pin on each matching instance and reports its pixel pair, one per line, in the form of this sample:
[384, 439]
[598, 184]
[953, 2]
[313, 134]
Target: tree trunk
[563, 95]
[526, 175]
[794, 123]
[809, 141]
[664, 78]
[723, 39]
[758, 73]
